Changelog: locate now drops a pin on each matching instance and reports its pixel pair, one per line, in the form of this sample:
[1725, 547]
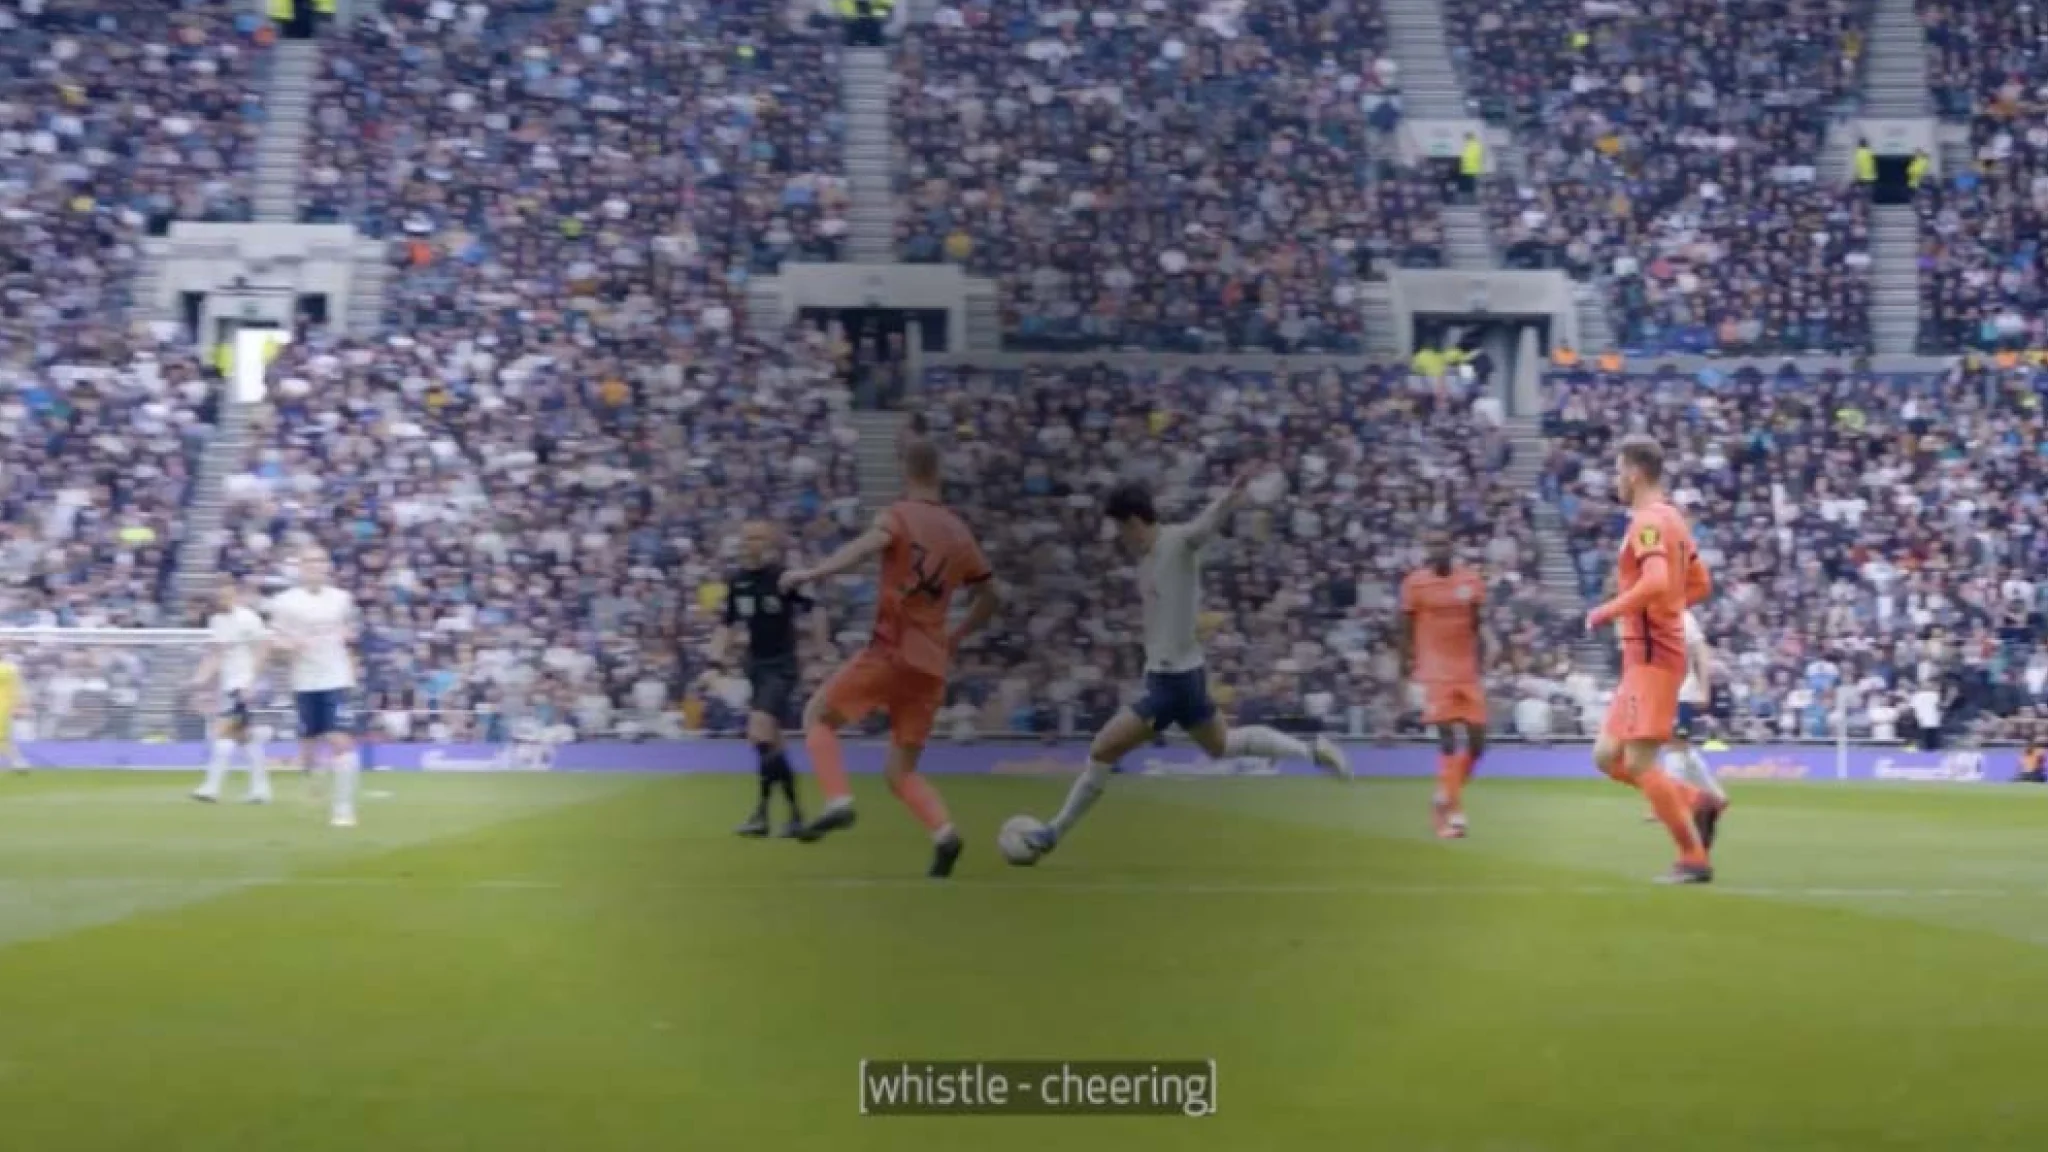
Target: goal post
[107, 685]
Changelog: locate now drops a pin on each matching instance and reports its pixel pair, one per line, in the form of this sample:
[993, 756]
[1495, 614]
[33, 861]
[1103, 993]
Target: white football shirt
[1691, 692]
[237, 633]
[317, 623]
[1170, 585]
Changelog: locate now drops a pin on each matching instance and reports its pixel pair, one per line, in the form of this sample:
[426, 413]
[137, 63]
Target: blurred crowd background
[534, 472]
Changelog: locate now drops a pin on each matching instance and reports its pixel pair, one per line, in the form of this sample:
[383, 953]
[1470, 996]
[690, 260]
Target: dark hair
[1643, 454]
[1130, 500]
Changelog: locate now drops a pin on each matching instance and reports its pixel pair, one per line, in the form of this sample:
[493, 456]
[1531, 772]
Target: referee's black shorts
[777, 686]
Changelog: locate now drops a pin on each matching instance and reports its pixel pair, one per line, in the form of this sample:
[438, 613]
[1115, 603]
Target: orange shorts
[1645, 706]
[1454, 704]
[877, 682]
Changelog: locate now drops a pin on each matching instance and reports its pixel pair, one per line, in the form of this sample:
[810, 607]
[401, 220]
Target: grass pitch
[539, 963]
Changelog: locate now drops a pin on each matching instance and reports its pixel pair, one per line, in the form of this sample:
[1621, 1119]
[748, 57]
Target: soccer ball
[1014, 841]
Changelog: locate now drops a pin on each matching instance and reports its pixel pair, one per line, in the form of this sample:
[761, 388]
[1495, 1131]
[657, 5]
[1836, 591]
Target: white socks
[345, 768]
[224, 759]
[1265, 744]
[1688, 765]
[1081, 797]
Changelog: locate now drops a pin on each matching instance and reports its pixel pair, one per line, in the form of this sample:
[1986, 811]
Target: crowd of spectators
[1668, 151]
[584, 143]
[116, 116]
[1301, 598]
[1875, 541]
[538, 534]
[1981, 268]
[1171, 174]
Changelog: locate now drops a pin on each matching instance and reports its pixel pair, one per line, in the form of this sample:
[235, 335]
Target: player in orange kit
[927, 555]
[1659, 575]
[1440, 650]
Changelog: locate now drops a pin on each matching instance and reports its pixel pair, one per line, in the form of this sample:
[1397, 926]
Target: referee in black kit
[754, 598]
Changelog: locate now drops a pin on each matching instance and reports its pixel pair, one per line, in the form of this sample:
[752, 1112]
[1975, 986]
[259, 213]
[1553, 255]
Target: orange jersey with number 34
[931, 555]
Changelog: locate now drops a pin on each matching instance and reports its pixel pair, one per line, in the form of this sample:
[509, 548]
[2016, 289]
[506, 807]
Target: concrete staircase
[864, 89]
[368, 282]
[1895, 63]
[147, 282]
[1382, 340]
[1430, 89]
[875, 458]
[984, 320]
[280, 154]
[1894, 279]
[1596, 335]
[1467, 245]
[1560, 585]
[161, 707]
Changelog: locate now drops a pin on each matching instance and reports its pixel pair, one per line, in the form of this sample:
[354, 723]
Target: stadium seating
[595, 137]
[116, 116]
[1302, 601]
[1981, 261]
[1176, 176]
[1869, 534]
[1669, 153]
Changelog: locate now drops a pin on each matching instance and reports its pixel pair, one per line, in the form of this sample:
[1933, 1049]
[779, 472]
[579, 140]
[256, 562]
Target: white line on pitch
[1077, 886]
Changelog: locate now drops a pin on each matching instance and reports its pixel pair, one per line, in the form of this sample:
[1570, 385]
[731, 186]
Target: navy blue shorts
[323, 713]
[234, 714]
[1688, 716]
[1176, 699]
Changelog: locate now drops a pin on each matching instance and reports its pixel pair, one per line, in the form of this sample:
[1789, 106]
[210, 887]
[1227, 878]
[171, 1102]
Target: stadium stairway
[1430, 89]
[1560, 580]
[864, 90]
[368, 279]
[1894, 279]
[287, 104]
[1596, 335]
[1467, 245]
[159, 709]
[875, 457]
[1895, 63]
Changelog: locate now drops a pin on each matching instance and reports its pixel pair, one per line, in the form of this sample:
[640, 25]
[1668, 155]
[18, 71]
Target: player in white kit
[315, 623]
[1682, 757]
[239, 648]
[1176, 676]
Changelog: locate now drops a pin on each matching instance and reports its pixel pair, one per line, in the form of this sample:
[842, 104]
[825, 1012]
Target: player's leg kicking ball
[1172, 699]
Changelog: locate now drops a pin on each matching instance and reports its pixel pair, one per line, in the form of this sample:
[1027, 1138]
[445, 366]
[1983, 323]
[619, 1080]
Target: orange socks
[922, 799]
[1450, 779]
[827, 764]
[1669, 799]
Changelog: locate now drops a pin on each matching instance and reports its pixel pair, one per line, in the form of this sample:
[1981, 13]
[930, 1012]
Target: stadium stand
[1669, 153]
[1981, 270]
[1180, 175]
[116, 116]
[1873, 537]
[533, 474]
[1302, 598]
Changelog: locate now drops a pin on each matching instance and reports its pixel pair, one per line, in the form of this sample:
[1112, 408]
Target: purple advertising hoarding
[1004, 758]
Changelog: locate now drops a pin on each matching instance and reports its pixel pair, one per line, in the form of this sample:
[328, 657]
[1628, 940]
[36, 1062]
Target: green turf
[563, 963]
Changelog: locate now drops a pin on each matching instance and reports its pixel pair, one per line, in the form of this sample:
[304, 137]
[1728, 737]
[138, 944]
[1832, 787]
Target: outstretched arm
[860, 549]
[1218, 513]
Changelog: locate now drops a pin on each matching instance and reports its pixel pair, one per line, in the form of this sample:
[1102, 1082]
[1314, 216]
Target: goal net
[99, 685]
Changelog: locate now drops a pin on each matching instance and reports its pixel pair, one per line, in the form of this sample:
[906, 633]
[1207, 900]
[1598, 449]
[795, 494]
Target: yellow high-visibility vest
[848, 9]
[324, 7]
[282, 10]
[1916, 171]
[1866, 166]
[1472, 159]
